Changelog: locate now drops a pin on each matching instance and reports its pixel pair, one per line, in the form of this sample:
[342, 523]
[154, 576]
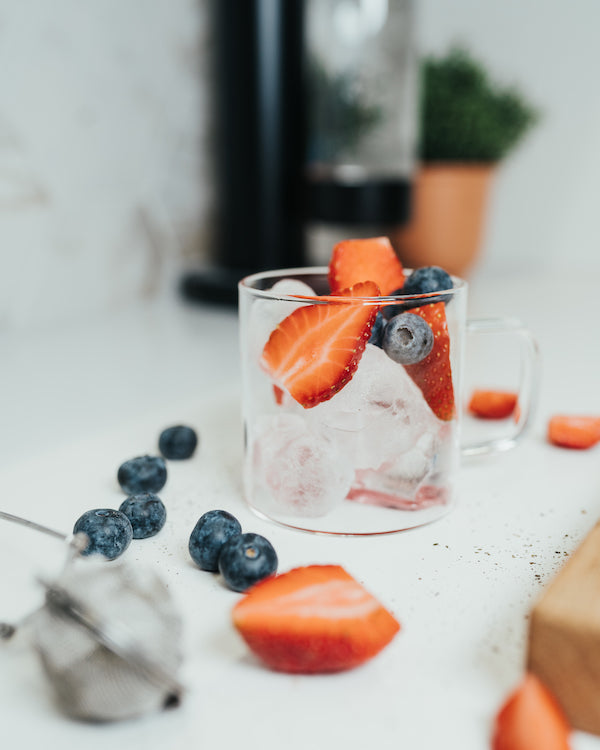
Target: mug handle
[528, 382]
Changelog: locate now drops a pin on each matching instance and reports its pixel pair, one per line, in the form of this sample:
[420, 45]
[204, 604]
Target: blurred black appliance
[315, 123]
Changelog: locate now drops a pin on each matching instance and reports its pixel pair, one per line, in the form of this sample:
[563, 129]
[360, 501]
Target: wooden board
[564, 636]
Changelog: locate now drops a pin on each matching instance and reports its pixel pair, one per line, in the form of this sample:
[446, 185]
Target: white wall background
[544, 213]
[105, 159]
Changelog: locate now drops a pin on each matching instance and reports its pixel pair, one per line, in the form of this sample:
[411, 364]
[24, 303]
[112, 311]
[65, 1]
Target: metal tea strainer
[108, 635]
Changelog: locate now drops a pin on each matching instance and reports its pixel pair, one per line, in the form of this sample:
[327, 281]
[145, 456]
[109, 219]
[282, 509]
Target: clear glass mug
[382, 453]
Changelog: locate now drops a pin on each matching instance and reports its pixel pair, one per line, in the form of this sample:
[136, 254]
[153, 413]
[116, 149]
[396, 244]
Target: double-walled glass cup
[379, 451]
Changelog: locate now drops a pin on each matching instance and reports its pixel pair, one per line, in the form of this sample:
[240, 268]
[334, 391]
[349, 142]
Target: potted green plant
[468, 124]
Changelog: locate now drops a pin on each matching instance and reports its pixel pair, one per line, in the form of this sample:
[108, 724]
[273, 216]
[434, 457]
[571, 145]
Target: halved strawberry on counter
[370, 259]
[433, 374]
[531, 719]
[313, 619]
[315, 351]
[578, 432]
[492, 404]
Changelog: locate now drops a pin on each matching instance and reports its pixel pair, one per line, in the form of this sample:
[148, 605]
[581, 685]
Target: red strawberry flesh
[315, 351]
[316, 618]
[371, 259]
[492, 404]
[433, 374]
[570, 431]
[531, 719]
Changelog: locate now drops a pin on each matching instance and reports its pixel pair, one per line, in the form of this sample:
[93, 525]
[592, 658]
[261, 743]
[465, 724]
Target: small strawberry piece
[433, 374]
[578, 432]
[278, 394]
[531, 719]
[312, 619]
[492, 404]
[365, 260]
[315, 351]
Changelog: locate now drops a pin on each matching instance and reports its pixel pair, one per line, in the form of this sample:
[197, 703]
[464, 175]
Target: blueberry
[142, 474]
[377, 330]
[109, 532]
[146, 512]
[209, 535]
[177, 442]
[407, 339]
[426, 280]
[388, 311]
[246, 559]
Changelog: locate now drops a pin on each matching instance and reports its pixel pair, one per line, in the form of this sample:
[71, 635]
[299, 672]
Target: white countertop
[78, 401]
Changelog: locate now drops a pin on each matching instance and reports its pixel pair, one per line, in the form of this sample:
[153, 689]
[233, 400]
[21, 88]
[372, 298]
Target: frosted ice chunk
[414, 480]
[296, 471]
[290, 287]
[414, 465]
[379, 416]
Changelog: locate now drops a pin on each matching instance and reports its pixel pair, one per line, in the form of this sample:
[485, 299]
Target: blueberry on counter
[210, 533]
[142, 474]
[246, 559]
[146, 513]
[177, 442]
[407, 339]
[109, 532]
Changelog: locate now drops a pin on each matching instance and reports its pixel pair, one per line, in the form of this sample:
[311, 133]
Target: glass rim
[247, 282]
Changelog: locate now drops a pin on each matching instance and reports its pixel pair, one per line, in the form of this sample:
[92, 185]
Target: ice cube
[295, 471]
[417, 479]
[412, 467]
[291, 287]
[395, 483]
[379, 416]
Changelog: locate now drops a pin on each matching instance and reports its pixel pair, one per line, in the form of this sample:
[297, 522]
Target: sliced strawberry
[315, 351]
[365, 260]
[433, 374]
[578, 432]
[312, 619]
[531, 719]
[492, 404]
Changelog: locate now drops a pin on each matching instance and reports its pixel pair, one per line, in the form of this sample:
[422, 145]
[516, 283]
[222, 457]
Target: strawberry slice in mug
[371, 259]
[315, 351]
[313, 619]
[433, 374]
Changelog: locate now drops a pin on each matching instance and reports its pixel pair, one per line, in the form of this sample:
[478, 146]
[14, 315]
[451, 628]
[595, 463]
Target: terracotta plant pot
[449, 208]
